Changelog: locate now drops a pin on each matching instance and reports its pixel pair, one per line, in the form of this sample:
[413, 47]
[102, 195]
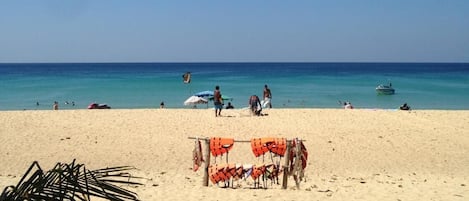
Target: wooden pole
[285, 166]
[298, 165]
[207, 161]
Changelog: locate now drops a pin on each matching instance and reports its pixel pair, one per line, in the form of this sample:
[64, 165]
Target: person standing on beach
[217, 101]
[267, 97]
[56, 105]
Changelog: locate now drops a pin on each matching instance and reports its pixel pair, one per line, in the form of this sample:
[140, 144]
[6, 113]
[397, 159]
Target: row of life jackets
[259, 146]
[225, 172]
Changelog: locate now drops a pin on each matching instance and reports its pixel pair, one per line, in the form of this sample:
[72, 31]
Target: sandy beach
[360, 154]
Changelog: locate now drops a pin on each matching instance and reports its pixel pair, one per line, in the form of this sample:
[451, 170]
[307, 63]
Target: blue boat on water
[385, 89]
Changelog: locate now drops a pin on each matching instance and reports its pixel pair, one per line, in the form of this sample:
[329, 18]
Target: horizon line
[182, 62]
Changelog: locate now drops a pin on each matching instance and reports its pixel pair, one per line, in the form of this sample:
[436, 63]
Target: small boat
[385, 89]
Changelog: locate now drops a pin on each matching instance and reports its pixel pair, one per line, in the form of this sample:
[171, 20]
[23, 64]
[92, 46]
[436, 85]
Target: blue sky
[234, 31]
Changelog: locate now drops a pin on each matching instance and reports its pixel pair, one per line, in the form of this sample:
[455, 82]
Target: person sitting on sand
[404, 107]
[229, 106]
[255, 105]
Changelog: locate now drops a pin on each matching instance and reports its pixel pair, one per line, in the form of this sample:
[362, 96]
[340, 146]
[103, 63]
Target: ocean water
[293, 85]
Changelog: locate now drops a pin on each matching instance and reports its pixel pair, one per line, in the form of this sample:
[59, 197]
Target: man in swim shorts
[217, 101]
[267, 97]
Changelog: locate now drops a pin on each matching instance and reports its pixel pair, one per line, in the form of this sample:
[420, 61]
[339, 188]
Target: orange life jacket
[219, 146]
[260, 146]
[239, 172]
[257, 171]
[230, 171]
[216, 173]
[279, 147]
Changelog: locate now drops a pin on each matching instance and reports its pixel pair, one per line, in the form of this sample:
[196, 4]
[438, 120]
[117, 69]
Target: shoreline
[358, 154]
[244, 108]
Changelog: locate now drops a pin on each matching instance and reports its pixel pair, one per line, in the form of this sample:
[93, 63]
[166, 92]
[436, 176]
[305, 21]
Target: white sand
[353, 154]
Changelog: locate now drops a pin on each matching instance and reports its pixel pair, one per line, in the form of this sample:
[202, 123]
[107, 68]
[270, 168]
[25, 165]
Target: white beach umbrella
[193, 100]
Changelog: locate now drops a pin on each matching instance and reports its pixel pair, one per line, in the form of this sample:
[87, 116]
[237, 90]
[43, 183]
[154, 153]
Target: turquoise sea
[35, 86]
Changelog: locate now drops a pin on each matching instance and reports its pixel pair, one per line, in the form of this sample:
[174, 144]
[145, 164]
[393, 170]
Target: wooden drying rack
[207, 160]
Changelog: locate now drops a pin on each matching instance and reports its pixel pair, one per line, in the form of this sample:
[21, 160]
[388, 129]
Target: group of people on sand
[254, 103]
